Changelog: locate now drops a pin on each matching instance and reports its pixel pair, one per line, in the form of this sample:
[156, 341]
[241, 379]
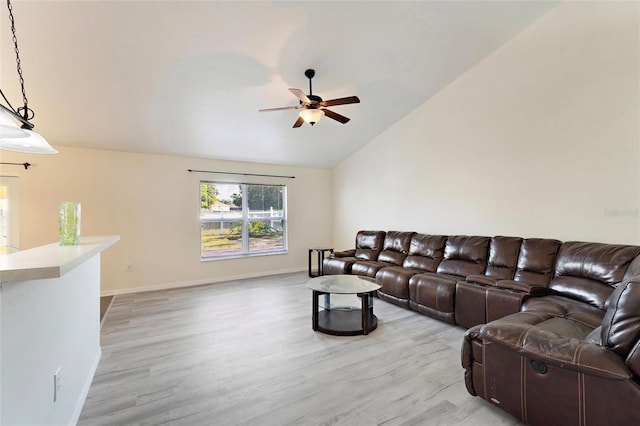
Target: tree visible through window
[240, 219]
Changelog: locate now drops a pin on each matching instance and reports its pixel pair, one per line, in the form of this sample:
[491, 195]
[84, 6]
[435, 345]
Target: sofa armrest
[561, 351]
[344, 253]
[467, 351]
[471, 352]
[524, 287]
[481, 279]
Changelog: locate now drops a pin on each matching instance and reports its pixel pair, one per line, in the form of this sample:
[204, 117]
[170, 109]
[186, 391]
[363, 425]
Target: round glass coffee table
[343, 319]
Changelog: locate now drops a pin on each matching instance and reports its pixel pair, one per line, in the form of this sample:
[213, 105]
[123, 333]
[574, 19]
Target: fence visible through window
[242, 219]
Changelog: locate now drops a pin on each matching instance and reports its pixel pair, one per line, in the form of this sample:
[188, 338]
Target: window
[242, 219]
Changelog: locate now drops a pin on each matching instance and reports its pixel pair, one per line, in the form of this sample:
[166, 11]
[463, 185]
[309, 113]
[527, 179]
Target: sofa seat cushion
[338, 265]
[433, 295]
[556, 341]
[564, 307]
[368, 268]
[395, 281]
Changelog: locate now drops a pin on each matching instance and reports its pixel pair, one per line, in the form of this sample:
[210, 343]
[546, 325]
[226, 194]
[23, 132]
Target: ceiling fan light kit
[12, 136]
[311, 116]
[313, 108]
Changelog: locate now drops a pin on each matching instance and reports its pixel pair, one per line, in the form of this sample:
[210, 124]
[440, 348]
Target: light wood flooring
[243, 353]
[105, 304]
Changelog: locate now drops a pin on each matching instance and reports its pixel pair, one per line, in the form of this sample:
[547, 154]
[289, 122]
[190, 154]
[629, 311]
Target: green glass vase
[69, 223]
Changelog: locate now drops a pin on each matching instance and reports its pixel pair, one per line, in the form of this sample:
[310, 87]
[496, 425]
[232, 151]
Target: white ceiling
[188, 78]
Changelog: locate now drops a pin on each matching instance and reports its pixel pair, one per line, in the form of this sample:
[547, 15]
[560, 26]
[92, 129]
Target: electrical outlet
[56, 384]
[130, 267]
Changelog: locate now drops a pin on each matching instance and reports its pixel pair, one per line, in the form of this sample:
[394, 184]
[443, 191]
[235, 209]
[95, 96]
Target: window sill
[243, 256]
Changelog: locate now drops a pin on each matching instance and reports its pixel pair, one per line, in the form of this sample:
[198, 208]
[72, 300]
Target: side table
[320, 251]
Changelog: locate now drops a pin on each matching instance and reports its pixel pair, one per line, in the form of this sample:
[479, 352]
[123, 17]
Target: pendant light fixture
[16, 129]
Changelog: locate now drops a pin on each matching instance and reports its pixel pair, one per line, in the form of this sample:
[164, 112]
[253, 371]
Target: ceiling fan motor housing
[314, 100]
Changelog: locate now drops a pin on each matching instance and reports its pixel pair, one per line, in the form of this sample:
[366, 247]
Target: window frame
[245, 220]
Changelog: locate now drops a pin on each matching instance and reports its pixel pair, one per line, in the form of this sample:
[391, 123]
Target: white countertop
[52, 260]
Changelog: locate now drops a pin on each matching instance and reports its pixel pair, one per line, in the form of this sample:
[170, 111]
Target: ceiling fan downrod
[310, 74]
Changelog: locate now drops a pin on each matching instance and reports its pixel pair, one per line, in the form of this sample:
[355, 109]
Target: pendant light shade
[9, 128]
[32, 144]
[311, 115]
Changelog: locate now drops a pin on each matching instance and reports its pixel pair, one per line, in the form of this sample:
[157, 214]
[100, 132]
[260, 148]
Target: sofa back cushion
[621, 323]
[535, 261]
[369, 244]
[503, 257]
[464, 255]
[588, 271]
[396, 247]
[633, 270]
[425, 252]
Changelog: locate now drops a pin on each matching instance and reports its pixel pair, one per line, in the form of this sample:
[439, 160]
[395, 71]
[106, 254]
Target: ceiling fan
[313, 108]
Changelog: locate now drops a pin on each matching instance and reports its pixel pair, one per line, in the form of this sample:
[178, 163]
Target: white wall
[541, 139]
[152, 202]
[45, 325]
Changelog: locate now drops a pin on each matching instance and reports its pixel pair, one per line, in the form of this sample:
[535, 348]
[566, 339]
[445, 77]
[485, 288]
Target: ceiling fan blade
[279, 109]
[341, 101]
[335, 116]
[298, 122]
[300, 95]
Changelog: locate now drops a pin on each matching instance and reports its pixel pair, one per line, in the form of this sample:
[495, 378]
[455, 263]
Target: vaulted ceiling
[188, 77]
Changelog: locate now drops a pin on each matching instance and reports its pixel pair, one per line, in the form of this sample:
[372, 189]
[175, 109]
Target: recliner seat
[553, 362]
[368, 246]
[548, 369]
[425, 254]
[433, 293]
[494, 295]
[394, 251]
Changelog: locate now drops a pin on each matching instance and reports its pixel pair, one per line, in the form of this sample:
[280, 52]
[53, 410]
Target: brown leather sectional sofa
[554, 328]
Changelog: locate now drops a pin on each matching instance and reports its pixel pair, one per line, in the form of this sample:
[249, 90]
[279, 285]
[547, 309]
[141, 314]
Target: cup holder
[538, 367]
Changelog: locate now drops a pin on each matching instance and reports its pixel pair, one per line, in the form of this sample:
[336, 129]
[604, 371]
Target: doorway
[9, 214]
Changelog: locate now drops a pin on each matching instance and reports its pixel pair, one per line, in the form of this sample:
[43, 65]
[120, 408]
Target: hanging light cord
[24, 112]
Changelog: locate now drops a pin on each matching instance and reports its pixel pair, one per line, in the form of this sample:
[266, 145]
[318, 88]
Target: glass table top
[342, 284]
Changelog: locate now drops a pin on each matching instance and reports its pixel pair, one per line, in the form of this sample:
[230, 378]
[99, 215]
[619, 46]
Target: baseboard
[85, 389]
[168, 286]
